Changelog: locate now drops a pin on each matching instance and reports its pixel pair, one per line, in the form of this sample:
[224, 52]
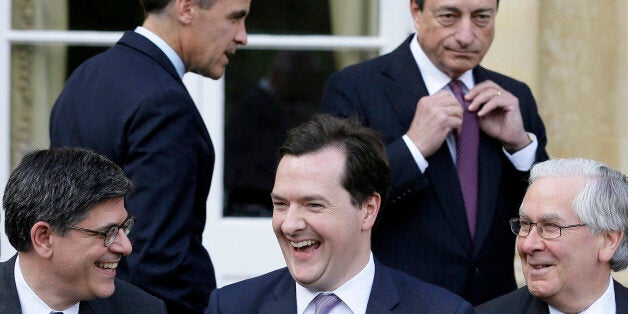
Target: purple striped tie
[325, 302]
[467, 145]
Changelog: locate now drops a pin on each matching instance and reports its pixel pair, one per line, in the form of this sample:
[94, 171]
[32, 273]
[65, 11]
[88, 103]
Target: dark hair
[421, 3]
[156, 6]
[366, 168]
[59, 186]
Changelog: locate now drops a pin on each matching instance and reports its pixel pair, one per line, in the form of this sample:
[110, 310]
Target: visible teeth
[302, 243]
[107, 265]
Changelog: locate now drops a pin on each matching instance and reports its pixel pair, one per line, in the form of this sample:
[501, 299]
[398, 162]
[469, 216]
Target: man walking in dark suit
[130, 104]
[331, 180]
[571, 232]
[65, 215]
[460, 141]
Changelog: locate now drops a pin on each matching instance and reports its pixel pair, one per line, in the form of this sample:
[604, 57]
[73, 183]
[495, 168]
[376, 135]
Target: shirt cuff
[524, 158]
[416, 154]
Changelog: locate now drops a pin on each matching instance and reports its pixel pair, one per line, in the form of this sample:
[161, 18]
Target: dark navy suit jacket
[130, 105]
[423, 228]
[522, 301]
[126, 298]
[392, 292]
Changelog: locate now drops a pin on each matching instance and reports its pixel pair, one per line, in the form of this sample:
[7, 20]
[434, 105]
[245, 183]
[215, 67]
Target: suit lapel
[285, 300]
[9, 300]
[490, 163]
[442, 174]
[138, 42]
[404, 84]
[98, 306]
[383, 295]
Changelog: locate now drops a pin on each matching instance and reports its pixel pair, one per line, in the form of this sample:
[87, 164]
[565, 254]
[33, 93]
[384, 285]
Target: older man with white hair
[571, 233]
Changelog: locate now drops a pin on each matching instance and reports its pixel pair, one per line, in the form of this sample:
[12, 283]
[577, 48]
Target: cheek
[276, 221]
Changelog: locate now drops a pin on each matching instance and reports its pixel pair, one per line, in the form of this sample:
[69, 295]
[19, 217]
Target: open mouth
[305, 246]
[106, 266]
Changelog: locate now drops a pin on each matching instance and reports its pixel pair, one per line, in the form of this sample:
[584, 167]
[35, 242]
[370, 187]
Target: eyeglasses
[111, 234]
[546, 230]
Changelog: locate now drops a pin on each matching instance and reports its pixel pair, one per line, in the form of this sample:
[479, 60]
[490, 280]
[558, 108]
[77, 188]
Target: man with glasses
[65, 215]
[570, 235]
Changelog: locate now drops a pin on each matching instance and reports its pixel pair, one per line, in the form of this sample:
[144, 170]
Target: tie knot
[325, 302]
[456, 86]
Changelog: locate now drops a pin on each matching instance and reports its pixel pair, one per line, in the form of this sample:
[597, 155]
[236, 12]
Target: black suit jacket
[423, 229]
[392, 292]
[130, 105]
[522, 301]
[126, 298]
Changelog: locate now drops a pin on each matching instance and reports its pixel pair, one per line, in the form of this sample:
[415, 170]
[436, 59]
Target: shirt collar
[29, 301]
[604, 304]
[435, 80]
[163, 46]
[354, 293]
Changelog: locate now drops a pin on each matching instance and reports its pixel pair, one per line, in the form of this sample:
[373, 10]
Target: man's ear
[185, 10]
[371, 209]
[416, 13]
[611, 240]
[41, 234]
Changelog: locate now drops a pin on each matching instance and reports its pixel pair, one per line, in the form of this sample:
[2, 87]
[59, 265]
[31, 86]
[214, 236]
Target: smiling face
[82, 266]
[568, 268]
[213, 35]
[455, 34]
[324, 239]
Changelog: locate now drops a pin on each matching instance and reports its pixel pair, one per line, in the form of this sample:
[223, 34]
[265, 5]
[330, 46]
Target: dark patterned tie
[467, 145]
[55, 312]
[325, 302]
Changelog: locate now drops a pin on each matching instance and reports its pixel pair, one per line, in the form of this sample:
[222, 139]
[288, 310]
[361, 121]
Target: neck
[165, 29]
[38, 275]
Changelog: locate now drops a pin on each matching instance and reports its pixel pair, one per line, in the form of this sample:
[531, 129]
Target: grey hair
[58, 186]
[602, 204]
[158, 6]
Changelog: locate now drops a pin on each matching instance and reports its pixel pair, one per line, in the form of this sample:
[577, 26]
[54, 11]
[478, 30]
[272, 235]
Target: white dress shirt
[435, 81]
[163, 46]
[604, 305]
[29, 301]
[354, 293]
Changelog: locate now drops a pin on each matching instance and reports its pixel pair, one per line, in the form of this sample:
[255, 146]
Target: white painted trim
[6, 250]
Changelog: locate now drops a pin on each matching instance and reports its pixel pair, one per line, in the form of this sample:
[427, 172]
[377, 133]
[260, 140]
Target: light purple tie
[325, 302]
[467, 144]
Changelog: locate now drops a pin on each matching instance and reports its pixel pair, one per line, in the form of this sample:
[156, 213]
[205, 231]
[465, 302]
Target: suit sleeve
[342, 98]
[163, 160]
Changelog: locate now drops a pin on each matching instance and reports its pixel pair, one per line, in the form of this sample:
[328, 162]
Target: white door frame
[240, 247]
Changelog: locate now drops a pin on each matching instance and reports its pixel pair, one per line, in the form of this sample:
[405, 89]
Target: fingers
[487, 96]
[434, 118]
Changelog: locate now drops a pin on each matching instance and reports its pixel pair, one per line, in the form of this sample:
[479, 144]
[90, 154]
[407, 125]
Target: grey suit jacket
[126, 298]
[393, 292]
[521, 301]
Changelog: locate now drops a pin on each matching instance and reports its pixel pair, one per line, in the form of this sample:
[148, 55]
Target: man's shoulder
[416, 286]
[260, 284]
[395, 60]
[275, 289]
[519, 300]
[131, 297]
[416, 293]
